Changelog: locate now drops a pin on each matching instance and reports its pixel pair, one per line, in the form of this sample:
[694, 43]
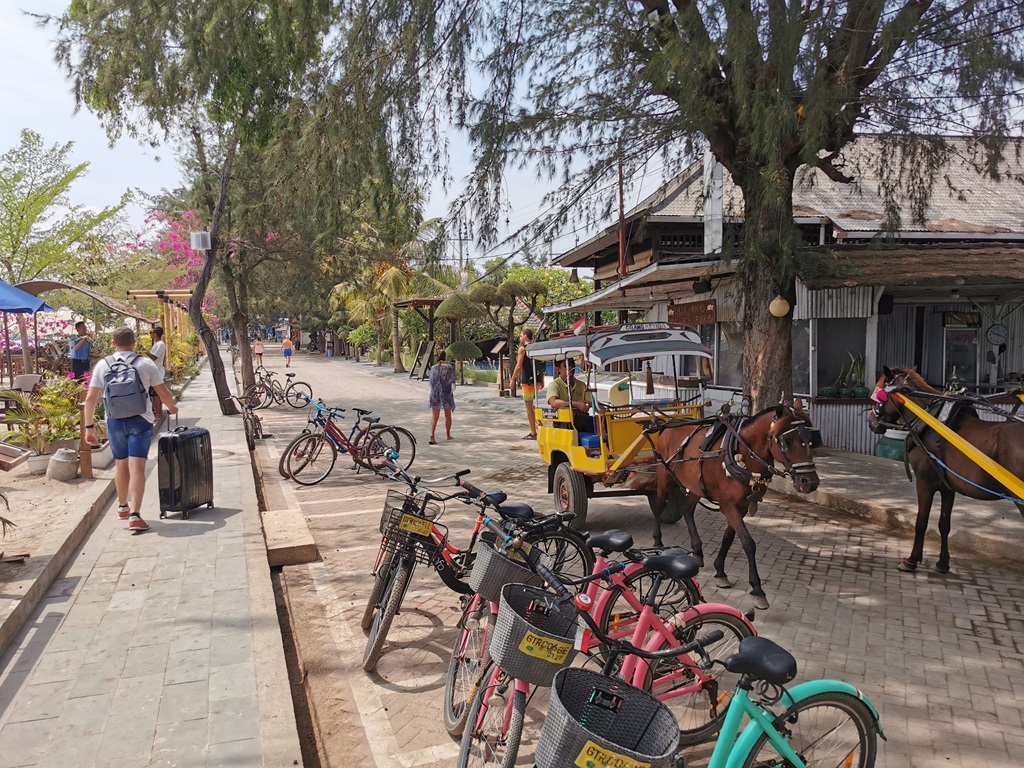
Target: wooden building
[945, 293]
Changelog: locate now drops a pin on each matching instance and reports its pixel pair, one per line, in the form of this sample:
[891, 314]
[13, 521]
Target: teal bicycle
[595, 721]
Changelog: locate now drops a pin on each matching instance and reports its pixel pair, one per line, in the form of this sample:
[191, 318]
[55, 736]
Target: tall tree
[42, 233]
[219, 72]
[573, 88]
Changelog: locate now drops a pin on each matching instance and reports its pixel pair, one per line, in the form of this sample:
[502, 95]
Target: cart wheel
[163, 515]
[184, 514]
[571, 494]
[209, 505]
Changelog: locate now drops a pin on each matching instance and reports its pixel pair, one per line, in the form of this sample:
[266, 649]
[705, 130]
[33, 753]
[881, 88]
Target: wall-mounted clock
[997, 333]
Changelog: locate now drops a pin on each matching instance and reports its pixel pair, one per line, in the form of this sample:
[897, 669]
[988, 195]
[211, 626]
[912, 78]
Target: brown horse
[733, 470]
[938, 466]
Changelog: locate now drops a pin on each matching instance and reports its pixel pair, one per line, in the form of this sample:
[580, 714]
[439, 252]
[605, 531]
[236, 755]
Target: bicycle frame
[733, 746]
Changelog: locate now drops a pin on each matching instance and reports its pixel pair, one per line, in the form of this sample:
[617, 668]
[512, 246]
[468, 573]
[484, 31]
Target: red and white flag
[578, 326]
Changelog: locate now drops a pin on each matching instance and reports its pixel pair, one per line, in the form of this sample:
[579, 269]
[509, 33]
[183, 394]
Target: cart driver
[579, 401]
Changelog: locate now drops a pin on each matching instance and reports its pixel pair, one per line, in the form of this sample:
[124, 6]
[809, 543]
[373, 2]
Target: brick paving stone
[927, 649]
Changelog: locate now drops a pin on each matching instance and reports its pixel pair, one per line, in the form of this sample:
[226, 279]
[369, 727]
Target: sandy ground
[37, 505]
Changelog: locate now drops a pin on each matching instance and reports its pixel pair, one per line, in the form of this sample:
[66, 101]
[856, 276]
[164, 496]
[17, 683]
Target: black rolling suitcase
[184, 470]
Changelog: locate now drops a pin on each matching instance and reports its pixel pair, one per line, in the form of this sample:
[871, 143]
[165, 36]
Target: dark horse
[732, 466]
[927, 452]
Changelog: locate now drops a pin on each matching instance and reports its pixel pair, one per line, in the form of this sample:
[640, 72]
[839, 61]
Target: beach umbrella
[18, 302]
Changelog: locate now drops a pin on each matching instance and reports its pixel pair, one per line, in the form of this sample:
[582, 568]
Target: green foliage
[42, 233]
[480, 374]
[556, 281]
[51, 414]
[364, 337]
[464, 350]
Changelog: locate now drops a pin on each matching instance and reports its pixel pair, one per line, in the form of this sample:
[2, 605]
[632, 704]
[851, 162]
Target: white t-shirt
[159, 351]
[149, 375]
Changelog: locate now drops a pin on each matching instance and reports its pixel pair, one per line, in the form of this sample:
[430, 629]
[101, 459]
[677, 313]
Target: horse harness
[726, 428]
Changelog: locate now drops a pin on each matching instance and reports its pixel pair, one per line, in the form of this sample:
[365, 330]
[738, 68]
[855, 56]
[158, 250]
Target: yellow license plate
[519, 554]
[545, 648]
[418, 525]
[594, 756]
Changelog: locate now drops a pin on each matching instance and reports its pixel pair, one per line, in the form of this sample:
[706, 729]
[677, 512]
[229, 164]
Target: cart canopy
[603, 347]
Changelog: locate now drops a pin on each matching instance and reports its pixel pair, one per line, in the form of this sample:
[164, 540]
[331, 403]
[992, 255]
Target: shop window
[840, 346]
[802, 357]
[730, 355]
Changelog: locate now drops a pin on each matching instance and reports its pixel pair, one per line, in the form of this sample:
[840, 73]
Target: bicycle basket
[533, 635]
[492, 569]
[595, 720]
[403, 525]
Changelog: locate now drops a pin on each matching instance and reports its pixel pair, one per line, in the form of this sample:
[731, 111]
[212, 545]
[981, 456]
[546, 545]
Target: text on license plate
[594, 756]
[545, 648]
[418, 525]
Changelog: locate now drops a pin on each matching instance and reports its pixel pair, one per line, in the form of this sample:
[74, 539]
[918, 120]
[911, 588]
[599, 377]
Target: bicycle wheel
[826, 729]
[569, 553]
[699, 707]
[390, 601]
[406, 443]
[487, 741]
[378, 586]
[250, 431]
[257, 427]
[377, 446]
[674, 596]
[283, 461]
[259, 395]
[310, 459]
[299, 394]
[468, 661]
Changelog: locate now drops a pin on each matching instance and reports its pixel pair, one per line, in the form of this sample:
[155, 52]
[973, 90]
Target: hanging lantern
[779, 307]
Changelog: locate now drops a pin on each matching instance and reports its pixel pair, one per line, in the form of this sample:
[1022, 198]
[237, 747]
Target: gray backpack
[123, 392]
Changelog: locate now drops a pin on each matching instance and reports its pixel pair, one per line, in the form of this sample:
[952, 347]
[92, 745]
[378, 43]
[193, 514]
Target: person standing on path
[80, 346]
[123, 380]
[529, 380]
[258, 350]
[442, 395]
[157, 353]
[286, 347]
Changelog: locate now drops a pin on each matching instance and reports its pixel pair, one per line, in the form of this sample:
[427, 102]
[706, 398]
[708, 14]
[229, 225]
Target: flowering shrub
[51, 414]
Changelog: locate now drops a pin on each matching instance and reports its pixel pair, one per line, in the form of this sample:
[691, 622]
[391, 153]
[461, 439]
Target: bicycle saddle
[361, 412]
[765, 660]
[674, 566]
[516, 510]
[496, 498]
[614, 540]
[369, 419]
[290, 375]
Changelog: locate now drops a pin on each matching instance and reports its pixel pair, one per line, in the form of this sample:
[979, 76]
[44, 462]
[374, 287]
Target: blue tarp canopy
[19, 302]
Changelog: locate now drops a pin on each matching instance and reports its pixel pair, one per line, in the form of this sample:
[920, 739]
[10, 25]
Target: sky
[36, 95]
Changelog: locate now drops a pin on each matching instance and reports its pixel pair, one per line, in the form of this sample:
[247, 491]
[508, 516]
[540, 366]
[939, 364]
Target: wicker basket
[595, 720]
[492, 570]
[533, 636]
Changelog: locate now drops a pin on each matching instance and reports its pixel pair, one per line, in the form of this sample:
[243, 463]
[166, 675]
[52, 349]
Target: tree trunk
[770, 242]
[396, 341]
[380, 346]
[26, 355]
[238, 304]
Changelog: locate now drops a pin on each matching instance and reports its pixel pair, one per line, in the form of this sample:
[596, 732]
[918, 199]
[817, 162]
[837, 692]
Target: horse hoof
[906, 566]
[699, 559]
[760, 602]
[942, 568]
[723, 582]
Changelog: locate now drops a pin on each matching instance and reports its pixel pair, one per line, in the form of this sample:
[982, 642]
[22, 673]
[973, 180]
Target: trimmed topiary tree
[460, 351]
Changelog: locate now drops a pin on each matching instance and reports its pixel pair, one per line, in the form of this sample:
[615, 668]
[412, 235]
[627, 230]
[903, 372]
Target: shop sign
[696, 313]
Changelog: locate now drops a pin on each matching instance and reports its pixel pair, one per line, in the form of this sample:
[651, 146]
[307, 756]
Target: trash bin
[892, 445]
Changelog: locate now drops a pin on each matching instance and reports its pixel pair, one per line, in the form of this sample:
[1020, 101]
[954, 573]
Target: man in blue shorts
[124, 379]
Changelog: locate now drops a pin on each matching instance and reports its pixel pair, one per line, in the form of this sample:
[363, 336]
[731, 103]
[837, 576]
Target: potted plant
[833, 391]
[855, 379]
[46, 421]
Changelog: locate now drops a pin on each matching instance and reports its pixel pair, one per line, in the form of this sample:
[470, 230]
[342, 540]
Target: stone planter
[37, 463]
[63, 465]
[102, 457]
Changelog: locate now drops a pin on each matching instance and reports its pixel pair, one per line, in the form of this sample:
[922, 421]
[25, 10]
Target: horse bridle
[803, 434]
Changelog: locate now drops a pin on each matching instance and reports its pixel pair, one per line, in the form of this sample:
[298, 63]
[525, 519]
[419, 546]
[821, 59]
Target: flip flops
[432, 441]
[529, 437]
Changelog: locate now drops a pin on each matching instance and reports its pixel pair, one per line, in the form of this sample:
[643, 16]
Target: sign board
[200, 241]
[961, 319]
[696, 313]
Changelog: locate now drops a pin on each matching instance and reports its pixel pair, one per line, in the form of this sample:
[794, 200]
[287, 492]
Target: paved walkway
[940, 656]
[162, 648]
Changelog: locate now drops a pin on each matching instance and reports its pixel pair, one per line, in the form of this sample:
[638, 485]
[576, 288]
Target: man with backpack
[123, 380]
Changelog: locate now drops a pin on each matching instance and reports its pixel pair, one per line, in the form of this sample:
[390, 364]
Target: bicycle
[268, 390]
[411, 534]
[310, 458]
[251, 422]
[822, 722]
[619, 599]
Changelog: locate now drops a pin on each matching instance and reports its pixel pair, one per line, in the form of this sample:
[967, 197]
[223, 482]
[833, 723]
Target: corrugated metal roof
[964, 199]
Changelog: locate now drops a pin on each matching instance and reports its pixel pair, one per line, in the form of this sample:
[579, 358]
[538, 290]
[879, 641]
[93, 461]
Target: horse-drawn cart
[622, 440]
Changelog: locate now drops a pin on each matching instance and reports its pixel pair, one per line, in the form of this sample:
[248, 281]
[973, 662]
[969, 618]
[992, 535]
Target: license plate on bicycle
[544, 648]
[418, 525]
[519, 554]
[594, 755]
